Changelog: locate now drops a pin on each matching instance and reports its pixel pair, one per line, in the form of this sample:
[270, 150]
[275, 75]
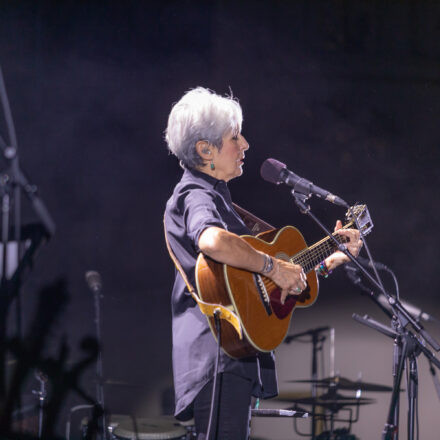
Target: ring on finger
[298, 289]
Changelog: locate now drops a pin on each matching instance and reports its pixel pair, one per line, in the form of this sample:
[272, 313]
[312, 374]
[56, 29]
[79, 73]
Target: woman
[204, 132]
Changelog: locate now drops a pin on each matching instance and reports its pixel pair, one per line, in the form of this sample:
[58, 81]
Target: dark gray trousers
[233, 403]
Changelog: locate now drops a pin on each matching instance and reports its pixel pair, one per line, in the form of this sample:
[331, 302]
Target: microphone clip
[300, 200]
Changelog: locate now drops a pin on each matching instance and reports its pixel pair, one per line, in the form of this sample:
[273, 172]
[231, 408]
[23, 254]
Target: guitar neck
[310, 257]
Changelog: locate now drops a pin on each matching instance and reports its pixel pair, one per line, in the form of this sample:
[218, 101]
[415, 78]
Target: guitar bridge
[264, 296]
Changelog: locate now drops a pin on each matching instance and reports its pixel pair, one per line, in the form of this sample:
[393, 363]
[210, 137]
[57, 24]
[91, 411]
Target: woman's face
[230, 159]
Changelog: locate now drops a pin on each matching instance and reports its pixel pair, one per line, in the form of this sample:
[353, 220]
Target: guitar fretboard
[308, 258]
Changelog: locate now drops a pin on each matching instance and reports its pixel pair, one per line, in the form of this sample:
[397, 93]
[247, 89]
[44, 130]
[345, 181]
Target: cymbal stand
[330, 416]
[317, 341]
[336, 408]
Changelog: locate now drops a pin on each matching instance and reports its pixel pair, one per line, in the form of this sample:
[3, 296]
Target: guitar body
[253, 297]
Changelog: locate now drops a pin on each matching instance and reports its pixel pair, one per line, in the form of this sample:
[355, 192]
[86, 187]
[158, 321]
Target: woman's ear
[204, 150]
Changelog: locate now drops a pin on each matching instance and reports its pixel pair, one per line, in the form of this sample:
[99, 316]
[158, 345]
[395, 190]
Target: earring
[212, 165]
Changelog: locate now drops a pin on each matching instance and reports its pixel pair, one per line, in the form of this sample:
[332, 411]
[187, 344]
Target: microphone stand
[95, 285]
[41, 394]
[407, 345]
[99, 363]
[12, 182]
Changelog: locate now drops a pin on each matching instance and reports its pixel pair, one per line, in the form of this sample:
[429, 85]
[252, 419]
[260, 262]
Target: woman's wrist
[324, 268]
[268, 264]
[330, 263]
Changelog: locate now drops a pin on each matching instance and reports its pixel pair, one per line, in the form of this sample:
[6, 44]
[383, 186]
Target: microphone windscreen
[271, 170]
[93, 280]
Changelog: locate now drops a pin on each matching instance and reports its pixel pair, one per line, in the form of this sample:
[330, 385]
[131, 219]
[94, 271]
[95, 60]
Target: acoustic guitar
[254, 298]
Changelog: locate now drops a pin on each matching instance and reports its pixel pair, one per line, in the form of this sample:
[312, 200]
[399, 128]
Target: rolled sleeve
[200, 213]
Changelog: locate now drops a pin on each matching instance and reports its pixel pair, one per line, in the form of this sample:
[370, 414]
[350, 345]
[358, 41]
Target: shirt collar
[200, 176]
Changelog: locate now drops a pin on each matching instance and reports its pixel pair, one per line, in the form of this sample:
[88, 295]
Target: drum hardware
[190, 427]
[326, 408]
[328, 405]
[338, 434]
[165, 427]
[317, 339]
[343, 383]
[115, 420]
[261, 412]
[289, 396]
[123, 426]
[334, 401]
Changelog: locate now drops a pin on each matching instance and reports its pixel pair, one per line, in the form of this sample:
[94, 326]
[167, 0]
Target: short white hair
[200, 115]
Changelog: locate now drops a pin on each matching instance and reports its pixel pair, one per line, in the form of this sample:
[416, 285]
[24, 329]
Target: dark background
[345, 92]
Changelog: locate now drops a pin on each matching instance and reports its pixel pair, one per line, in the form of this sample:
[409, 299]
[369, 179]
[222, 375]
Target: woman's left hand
[353, 245]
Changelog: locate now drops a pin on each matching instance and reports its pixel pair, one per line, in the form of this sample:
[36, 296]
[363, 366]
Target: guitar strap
[253, 223]
[207, 309]
[256, 225]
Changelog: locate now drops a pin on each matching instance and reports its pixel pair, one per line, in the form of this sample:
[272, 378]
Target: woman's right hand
[289, 277]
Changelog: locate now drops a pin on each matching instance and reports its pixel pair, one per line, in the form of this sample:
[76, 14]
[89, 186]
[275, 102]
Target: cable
[367, 249]
[214, 385]
[396, 283]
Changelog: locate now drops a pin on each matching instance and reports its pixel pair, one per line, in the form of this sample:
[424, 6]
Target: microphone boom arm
[399, 311]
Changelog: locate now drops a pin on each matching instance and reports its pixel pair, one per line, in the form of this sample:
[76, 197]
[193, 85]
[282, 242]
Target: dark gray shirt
[198, 202]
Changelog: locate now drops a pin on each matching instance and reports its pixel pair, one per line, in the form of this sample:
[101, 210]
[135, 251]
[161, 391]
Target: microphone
[354, 276]
[376, 264]
[411, 309]
[276, 172]
[94, 281]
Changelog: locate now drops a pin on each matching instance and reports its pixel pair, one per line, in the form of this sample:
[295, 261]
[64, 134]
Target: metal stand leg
[412, 386]
[42, 393]
[94, 282]
[99, 367]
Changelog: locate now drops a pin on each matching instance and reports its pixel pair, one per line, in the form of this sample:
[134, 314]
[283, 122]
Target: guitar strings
[307, 261]
[309, 257]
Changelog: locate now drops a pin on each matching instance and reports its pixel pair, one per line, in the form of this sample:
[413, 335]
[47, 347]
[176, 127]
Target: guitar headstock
[360, 214]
